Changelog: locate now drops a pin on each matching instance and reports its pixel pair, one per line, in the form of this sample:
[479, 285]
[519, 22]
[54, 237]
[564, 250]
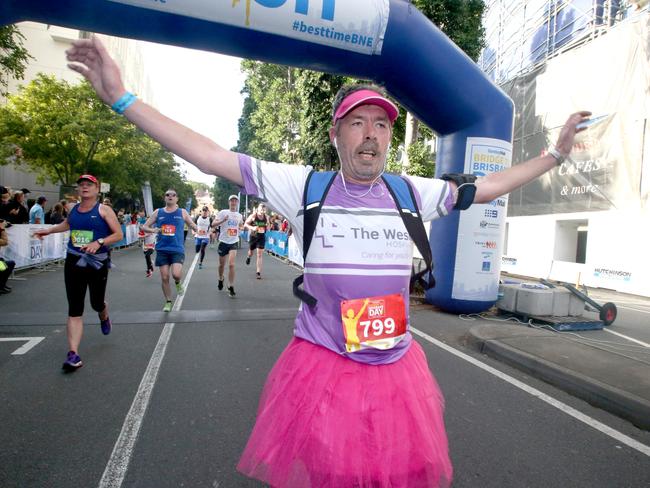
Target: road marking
[31, 342]
[645, 344]
[633, 309]
[563, 407]
[118, 463]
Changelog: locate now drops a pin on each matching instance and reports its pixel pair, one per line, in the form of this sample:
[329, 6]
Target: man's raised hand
[90, 58]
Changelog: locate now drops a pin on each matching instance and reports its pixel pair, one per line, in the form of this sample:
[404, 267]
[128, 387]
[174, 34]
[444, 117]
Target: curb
[596, 393]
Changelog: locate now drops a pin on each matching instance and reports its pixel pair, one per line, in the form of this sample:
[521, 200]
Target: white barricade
[28, 251]
[294, 253]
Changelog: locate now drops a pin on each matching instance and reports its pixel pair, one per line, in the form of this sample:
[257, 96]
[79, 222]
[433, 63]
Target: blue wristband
[124, 102]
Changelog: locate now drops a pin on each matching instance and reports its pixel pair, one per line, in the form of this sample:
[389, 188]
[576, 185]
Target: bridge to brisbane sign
[388, 41]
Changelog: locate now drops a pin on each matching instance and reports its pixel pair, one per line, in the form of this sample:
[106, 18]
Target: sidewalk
[609, 380]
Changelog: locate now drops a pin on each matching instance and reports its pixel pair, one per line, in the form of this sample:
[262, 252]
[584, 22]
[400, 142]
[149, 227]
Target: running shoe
[231, 291]
[200, 265]
[259, 276]
[73, 363]
[248, 260]
[106, 325]
[149, 273]
[168, 306]
[179, 289]
[220, 285]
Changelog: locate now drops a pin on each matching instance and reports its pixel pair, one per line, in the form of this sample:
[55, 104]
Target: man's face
[261, 209]
[233, 204]
[5, 198]
[204, 212]
[362, 138]
[87, 189]
[171, 198]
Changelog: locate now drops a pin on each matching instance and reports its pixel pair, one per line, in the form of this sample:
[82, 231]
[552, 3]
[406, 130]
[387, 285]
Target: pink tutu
[327, 421]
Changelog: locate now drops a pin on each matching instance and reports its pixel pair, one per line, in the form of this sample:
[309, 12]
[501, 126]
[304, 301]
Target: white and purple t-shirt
[360, 247]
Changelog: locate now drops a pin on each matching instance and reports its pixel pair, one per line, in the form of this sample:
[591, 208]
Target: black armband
[466, 188]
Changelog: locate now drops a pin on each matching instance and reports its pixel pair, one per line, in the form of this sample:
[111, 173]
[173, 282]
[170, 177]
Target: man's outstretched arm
[90, 58]
[496, 184]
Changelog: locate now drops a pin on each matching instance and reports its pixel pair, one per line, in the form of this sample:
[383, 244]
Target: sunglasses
[170, 194]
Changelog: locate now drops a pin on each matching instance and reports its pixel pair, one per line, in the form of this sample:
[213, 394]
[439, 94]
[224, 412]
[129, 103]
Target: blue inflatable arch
[388, 41]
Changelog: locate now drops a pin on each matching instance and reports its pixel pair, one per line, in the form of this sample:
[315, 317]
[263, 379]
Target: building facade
[588, 221]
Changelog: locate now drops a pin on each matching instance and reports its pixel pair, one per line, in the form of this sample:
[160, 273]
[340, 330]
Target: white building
[47, 45]
[589, 220]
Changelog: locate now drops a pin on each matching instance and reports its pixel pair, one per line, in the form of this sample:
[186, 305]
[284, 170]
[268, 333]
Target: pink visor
[365, 97]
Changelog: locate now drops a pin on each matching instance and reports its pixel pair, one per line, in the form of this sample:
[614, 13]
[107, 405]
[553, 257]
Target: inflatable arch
[388, 41]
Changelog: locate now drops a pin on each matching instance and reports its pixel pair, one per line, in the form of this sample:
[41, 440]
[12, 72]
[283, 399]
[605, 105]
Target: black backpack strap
[404, 198]
[316, 188]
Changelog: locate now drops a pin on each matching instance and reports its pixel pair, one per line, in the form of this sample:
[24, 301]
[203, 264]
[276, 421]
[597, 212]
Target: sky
[198, 89]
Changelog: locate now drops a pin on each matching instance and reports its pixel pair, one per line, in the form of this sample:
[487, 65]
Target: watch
[559, 158]
[100, 241]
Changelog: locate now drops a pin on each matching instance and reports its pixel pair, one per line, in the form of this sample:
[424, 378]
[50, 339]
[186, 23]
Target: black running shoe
[220, 285]
[231, 291]
[248, 260]
[259, 276]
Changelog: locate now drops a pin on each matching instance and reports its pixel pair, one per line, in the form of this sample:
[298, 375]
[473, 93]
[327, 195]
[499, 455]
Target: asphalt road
[90, 429]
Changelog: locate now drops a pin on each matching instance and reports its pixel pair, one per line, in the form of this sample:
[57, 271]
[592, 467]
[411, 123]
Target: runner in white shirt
[230, 222]
[202, 236]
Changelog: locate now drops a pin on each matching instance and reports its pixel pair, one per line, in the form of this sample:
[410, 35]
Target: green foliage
[460, 20]
[222, 190]
[13, 56]
[59, 131]
[421, 161]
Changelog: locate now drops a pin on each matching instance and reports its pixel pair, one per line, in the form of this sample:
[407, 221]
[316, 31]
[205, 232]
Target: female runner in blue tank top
[93, 228]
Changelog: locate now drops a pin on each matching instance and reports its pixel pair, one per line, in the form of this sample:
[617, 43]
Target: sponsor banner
[357, 26]
[481, 227]
[276, 242]
[28, 251]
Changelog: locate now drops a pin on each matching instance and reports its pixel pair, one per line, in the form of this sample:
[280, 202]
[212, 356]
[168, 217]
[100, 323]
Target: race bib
[373, 322]
[202, 232]
[232, 232]
[168, 230]
[261, 229]
[80, 238]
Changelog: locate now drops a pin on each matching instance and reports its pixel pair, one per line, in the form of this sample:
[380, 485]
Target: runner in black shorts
[258, 224]
[230, 222]
[93, 228]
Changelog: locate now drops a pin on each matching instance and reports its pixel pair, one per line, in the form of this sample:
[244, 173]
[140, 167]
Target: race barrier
[277, 242]
[28, 251]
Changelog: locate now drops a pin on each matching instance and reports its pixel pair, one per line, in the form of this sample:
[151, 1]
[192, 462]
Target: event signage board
[357, 26]
[481, 227]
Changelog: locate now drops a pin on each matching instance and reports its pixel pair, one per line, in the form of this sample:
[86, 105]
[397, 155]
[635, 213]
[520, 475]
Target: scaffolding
[521, 35]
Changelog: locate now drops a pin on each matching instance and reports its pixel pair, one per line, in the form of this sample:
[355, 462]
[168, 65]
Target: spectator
[18, 213]
[57, 214]
[6, 267]
[5, 203]
[37, 212]
[120, 216]
[107, 201]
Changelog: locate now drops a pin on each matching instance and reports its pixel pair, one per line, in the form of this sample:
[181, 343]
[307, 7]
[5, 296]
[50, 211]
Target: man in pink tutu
[351, 400]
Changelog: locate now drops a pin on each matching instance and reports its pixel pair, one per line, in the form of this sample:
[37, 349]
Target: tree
[59, 131]
[13, 56]
[461, 21]
[222, 190]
